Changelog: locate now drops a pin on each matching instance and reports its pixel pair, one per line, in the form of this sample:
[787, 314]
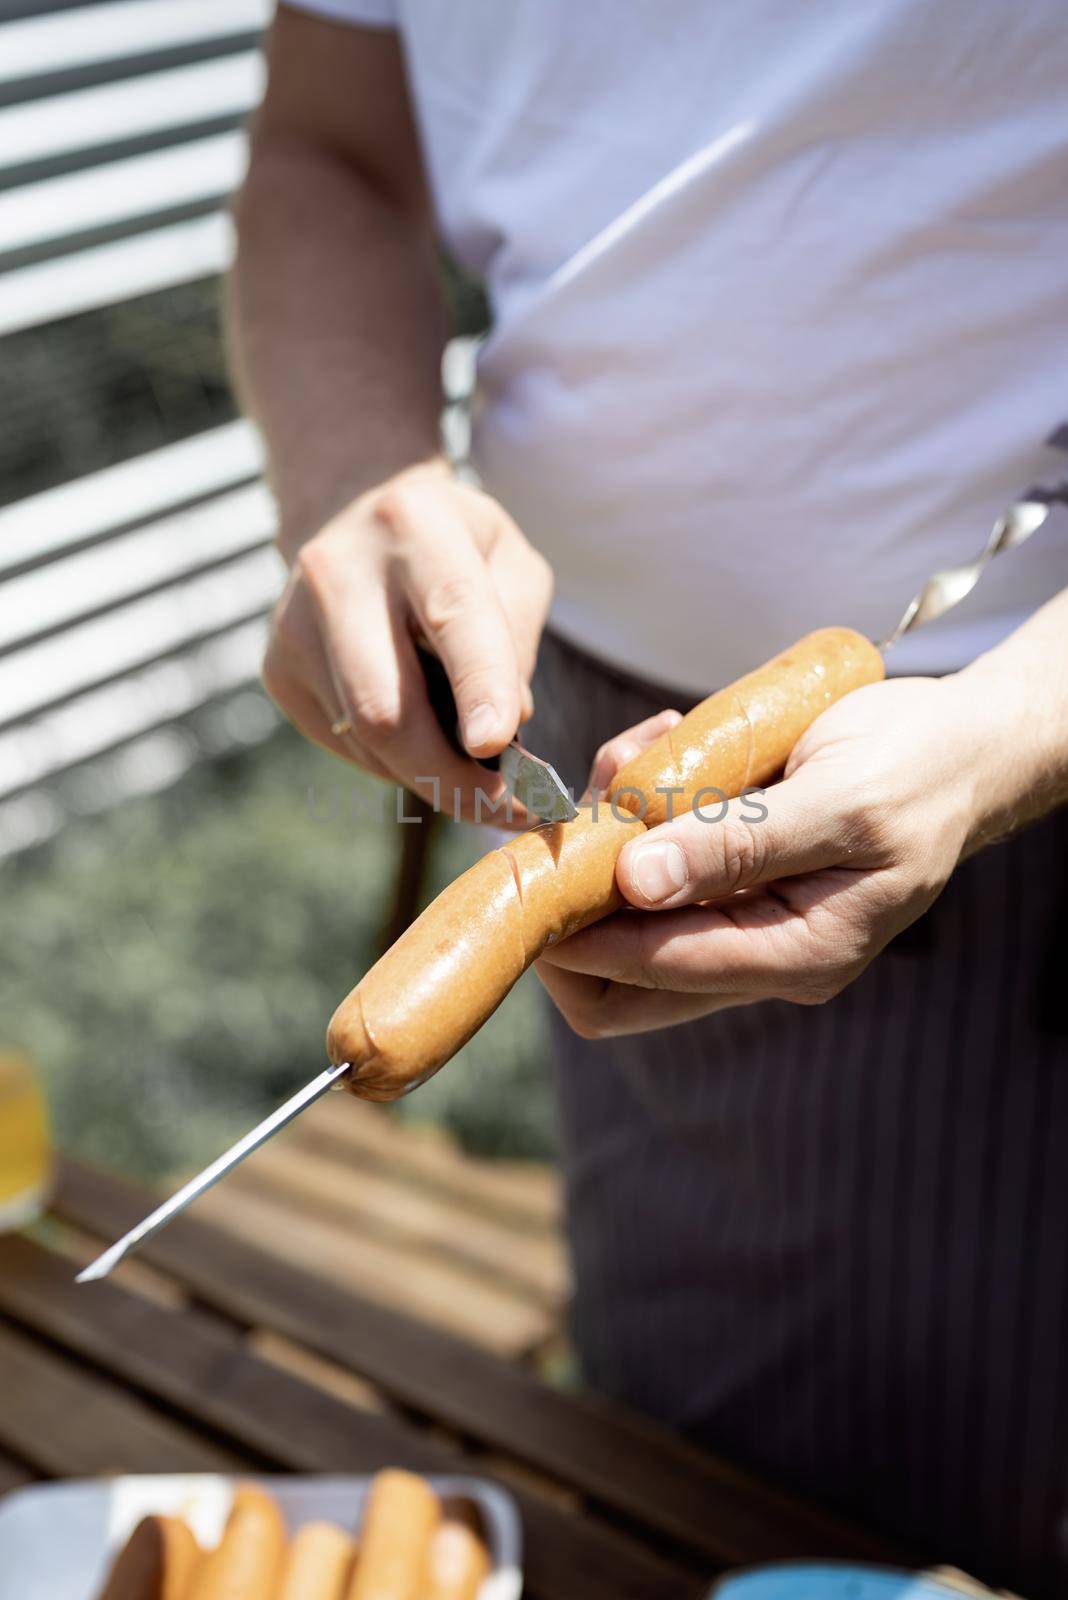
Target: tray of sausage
[206, 1536]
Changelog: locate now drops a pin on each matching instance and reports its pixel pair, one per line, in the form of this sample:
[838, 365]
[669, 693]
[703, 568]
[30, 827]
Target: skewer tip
[100, 1267]
[211, 1174]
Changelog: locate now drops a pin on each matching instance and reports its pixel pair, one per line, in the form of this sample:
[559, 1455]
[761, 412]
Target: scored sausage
[451, 969]
[318, 1564]
[156, 1562]
[457, 1564]
[246, 1563]
[742, 736]
[437, 985]
[400, 1516]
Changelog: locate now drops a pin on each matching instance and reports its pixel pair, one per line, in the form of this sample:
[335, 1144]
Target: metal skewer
[949, 587]
[218, 1169]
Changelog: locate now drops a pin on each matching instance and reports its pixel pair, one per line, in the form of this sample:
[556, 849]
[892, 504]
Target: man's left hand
[880, 799]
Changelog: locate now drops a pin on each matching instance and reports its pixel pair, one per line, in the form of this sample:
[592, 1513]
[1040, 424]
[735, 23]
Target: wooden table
[212, 1353]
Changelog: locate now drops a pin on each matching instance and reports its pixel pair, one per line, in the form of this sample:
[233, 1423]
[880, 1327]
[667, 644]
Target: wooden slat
[99, 504]
[339, 1382]
[55, 127]
[119, 192]
[68, 1423]
[92, 724]
[523, 1194]
[90, 583]
[413, 1281]
[631, 1465]
[109, 273]
[207, 1374]
[125, 28]
[123, 640]
[408, 1217]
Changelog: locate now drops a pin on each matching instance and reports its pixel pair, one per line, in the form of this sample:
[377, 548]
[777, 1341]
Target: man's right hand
[337, 322]
[420, 556]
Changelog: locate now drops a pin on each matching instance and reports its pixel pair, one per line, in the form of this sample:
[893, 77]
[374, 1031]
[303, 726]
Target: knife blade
[535, 783]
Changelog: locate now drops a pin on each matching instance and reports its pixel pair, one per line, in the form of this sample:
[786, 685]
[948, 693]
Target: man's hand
[336, 324]
[881, 798]
[423, 556]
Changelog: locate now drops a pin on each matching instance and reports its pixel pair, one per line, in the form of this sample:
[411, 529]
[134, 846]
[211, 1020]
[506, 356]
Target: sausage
[318, 1564]
[743, 735]
[437, 985]
[457, 1563]
[246, 1563]
[451, 969]
[156, 1562]
[401, 1514]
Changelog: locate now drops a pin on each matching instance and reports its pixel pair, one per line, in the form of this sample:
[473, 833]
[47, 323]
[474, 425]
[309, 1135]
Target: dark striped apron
[832, 1242]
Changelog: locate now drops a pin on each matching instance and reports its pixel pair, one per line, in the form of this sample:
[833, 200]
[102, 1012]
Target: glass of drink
[25, 1146]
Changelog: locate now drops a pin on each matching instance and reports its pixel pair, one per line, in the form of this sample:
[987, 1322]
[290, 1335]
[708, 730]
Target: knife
[535, 783]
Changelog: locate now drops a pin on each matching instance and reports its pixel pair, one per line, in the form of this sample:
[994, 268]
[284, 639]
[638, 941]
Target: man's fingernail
[480, 725]
[659, 871]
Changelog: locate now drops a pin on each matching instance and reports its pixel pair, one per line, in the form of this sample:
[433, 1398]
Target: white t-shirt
[780, 298]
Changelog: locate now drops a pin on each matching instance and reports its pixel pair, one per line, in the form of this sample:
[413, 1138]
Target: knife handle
[439, 693]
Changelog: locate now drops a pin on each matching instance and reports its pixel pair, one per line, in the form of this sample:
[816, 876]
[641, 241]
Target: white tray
[57, 1539]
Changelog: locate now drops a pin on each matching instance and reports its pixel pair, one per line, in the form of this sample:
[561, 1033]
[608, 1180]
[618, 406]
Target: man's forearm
[1024, 685]
[336, 324]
